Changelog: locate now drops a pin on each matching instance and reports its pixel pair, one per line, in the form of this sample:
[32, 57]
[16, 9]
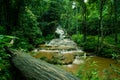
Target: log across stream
[35, 69]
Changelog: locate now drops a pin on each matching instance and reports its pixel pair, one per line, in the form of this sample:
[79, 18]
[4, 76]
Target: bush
[90, 45]
[23, 43]
[110, 48]
[5, 73]
[106, 52]
[77, 38]
[93, 73]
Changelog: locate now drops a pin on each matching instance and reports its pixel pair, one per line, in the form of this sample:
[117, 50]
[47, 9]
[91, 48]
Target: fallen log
[34, 69]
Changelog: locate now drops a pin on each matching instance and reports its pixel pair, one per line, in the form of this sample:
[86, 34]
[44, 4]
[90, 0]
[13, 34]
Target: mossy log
[35, 69]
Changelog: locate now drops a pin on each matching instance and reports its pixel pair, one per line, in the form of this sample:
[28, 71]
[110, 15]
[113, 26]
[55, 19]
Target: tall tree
[101, 28]
[84, 17]
[115, 21]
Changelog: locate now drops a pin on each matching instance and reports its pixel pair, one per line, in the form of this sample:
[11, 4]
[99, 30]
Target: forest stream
[70, 57]
[59, 39]
[73, 64]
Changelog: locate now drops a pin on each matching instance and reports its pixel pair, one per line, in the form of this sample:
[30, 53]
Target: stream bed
[64, 52]
[74, 61]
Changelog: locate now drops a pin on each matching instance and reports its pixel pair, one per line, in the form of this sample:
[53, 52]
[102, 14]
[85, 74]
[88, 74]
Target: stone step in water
[48, 47]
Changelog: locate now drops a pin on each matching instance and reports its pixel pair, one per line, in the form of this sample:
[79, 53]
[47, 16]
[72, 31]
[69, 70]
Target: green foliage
[23, 43]
[93, 26]
[5, 40]
[93, 74]
[49, 20]
[78, 38]
[2, 30]
[5, 73]
[29, 24]
[29, 31]
[109, 49]
[107, 52]
[70, 18]
[90, 45]
[35, 21]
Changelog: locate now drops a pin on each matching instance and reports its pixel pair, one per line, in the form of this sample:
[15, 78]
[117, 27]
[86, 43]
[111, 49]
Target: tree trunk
[84, 15]
[115, 21]
[101, 32]
[34, 69]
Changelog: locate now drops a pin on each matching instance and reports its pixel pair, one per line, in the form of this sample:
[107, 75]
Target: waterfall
[60, 32]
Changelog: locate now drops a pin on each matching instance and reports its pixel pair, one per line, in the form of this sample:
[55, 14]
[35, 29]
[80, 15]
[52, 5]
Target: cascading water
[61, 32]
[62, 40]
[67, 53]
[63, 46]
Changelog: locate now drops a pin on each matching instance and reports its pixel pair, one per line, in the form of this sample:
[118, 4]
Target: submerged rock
[77, 60]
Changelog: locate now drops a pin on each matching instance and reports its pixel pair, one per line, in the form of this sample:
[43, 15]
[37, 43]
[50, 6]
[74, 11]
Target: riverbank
[85, 64]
